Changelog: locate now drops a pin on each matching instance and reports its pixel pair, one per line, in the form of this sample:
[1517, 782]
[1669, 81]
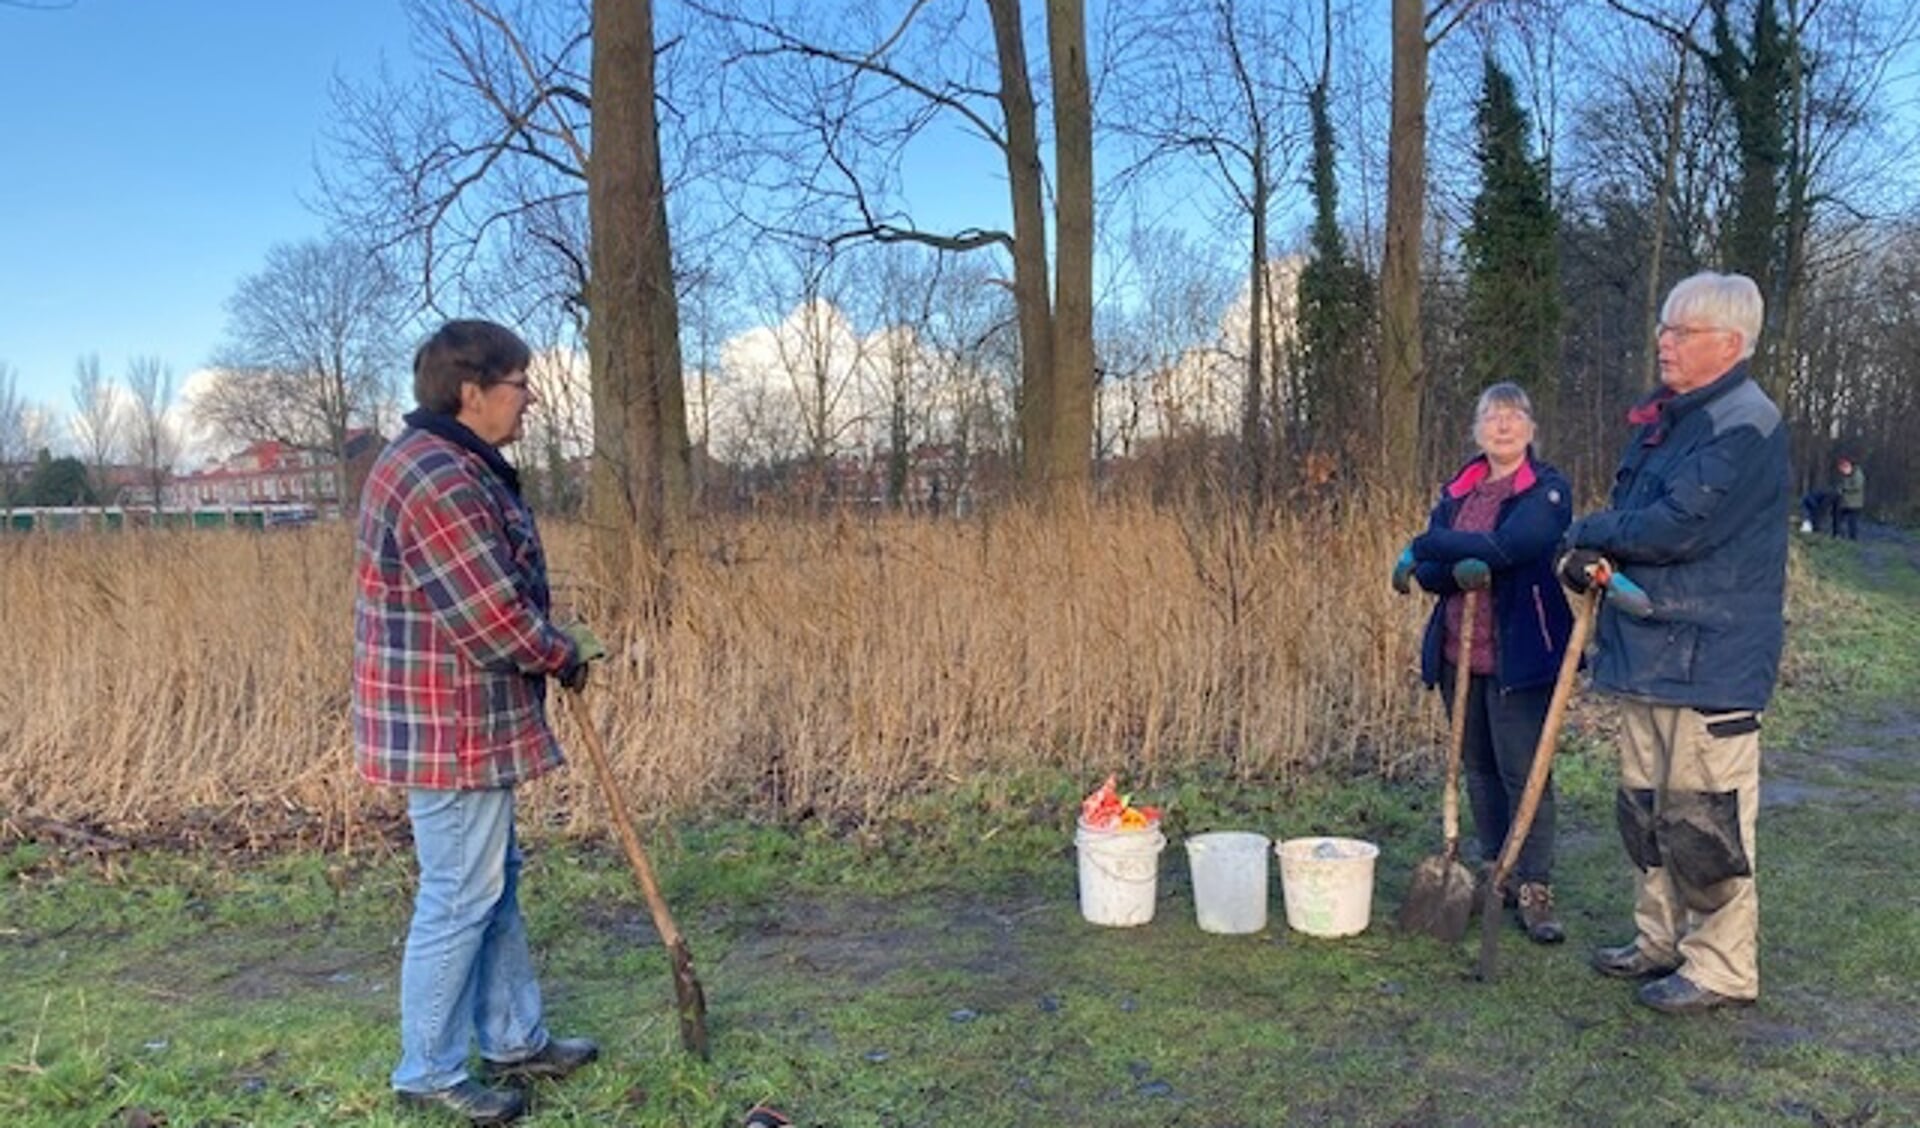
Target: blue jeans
[467, 974]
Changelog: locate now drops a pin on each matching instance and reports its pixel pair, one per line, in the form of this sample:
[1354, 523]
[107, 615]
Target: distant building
[275, 473]
[126, 485]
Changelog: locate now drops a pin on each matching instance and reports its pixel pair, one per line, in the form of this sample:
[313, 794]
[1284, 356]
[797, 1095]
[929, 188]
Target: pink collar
[1476, 472]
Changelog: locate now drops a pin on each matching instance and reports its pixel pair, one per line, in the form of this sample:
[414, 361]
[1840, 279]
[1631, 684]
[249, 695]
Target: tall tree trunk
[1073, 361]
[1032, 304]
[1255, 448]
[1662, 208]
[1791, 293]
[1402, 368]
[641, 461]
[1255, 410]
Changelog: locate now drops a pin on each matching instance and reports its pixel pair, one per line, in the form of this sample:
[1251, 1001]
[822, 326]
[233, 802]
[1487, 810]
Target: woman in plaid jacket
[453, 643]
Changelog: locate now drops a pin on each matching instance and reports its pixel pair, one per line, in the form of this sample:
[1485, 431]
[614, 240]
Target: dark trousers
[1850, 520]
[1503, 728]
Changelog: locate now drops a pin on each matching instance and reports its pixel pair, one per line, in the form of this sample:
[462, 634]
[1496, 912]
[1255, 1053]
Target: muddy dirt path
[1860, 765]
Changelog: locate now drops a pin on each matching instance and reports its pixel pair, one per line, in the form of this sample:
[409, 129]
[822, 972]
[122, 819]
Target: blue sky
[150, 152]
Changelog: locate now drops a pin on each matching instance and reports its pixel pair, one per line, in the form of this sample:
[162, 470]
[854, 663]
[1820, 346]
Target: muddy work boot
[1536, 913]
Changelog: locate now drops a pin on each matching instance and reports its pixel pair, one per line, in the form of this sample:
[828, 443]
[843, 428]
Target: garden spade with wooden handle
[1440, 896]
[691, 1000]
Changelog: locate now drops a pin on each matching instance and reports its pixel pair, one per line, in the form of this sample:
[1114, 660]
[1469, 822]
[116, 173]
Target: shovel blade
[1439, 899]
[690, 1001]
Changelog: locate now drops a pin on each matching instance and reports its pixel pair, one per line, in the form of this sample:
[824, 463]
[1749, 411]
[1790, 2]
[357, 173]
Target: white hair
[1723, 301]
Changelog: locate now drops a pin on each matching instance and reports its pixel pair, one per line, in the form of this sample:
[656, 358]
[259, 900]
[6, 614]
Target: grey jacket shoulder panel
[1744, 406]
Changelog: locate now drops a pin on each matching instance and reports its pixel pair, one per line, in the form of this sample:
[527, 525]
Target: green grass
[933, 968]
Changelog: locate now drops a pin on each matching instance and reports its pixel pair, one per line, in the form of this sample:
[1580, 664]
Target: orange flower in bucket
[1107, 809]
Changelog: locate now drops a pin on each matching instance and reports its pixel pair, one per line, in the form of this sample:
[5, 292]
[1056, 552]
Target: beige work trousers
[1665, 748]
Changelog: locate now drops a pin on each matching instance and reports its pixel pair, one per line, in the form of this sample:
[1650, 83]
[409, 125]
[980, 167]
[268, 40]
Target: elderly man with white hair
[1697, 517]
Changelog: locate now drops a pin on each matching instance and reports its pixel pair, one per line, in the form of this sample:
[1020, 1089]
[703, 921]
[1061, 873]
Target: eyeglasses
[520, 384]
[1504, 415]
[1685, 332]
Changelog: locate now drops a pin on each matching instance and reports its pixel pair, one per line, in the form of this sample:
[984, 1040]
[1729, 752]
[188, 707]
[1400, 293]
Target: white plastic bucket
[1327, 884]
[1119, 874]
[1229, 880]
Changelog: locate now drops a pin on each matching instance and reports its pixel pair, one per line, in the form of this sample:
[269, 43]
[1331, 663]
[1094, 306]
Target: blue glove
[1628, 596]
[1403, 571]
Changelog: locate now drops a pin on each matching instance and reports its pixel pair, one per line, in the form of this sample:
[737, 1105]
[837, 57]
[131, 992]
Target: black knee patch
[1633, 811]
[1699, 836]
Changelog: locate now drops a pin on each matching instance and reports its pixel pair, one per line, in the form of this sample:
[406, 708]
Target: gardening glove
[587, 649]
[1472, 575]
[1580, 568]
[1403, 571]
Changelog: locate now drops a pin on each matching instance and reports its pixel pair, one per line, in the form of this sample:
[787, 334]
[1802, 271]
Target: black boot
[472, 1100]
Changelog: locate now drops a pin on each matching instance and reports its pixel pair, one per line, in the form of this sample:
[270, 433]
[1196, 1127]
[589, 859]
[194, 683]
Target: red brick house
[275, 473]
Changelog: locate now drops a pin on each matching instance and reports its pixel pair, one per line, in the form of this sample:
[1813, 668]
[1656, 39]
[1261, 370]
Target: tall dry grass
[828, 666]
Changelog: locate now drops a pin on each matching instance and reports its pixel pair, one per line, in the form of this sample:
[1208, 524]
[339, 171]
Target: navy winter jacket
[1698, 518]
[1530, 615]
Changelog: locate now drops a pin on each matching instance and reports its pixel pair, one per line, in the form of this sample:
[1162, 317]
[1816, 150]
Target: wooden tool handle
[1549, 733]
[622, 822]
[1536, 780]
[1462, 673]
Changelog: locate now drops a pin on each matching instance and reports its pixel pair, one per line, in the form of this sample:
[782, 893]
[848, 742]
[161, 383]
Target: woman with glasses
[1496, 526]
[454, 640]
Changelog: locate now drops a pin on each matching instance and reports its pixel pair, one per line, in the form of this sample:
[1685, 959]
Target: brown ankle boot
[1536, 913]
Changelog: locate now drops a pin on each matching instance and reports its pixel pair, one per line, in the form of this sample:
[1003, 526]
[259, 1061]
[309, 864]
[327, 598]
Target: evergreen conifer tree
[1512, 253]
[1334, 304]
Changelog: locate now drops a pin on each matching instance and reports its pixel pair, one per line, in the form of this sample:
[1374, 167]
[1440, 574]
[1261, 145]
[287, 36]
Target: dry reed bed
[829, 666]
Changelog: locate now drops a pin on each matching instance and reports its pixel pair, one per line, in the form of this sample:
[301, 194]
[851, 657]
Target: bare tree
[13, 428]
[1070, 448]
[1403, 377]
[482, 174]
[641, 468]
[1799, 80]
[1169, 338]
[1214, 82]
[818, 359]
[310, 342]
[154, 442]
[99, 425]
[853, 111]
[906, 285]
[974, 350]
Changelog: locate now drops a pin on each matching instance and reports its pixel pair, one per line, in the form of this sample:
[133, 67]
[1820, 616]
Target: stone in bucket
[1327, 884]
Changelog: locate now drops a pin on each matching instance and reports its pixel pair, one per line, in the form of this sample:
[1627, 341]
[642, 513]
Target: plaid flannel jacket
[452, 643]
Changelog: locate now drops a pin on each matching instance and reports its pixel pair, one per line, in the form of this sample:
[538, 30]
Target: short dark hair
[461, 352]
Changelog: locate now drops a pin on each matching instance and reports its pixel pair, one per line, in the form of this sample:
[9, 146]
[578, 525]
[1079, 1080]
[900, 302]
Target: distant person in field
[1497, 526]
[1698, 517]
[453, 646]
[1850, 497]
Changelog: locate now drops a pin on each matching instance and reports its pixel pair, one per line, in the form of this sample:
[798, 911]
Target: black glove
[1577, 567]
[573, 679]
[1471, 574]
